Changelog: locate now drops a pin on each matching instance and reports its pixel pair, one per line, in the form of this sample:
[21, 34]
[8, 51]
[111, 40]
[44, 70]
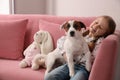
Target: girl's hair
[111, 25]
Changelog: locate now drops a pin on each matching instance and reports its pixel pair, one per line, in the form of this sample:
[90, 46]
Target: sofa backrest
[33, 23]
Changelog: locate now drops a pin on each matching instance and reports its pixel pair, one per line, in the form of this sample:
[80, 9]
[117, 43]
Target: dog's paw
[72, 74]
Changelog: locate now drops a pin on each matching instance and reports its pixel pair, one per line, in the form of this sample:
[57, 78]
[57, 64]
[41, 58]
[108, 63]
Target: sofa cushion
[12, 34]
[52, 28]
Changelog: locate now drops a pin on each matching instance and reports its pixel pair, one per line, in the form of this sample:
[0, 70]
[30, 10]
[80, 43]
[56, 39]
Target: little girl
[99, 29]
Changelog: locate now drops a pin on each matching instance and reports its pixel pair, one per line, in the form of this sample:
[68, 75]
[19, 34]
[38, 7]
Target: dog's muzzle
[72, 33]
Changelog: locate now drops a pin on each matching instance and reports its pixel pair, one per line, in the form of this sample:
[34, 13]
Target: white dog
[74, 46]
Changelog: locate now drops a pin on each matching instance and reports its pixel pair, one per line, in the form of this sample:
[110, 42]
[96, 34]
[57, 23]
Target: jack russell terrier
[75, 48]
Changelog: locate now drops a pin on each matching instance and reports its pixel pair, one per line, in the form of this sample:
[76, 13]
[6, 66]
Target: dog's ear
[82, 25]
[62, 26]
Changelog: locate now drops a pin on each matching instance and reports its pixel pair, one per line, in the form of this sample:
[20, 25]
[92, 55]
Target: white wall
[30, 6]
[87, 8]
[70, 8]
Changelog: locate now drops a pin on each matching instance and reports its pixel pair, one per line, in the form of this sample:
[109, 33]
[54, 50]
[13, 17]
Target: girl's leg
[81, 73]
[60, 73]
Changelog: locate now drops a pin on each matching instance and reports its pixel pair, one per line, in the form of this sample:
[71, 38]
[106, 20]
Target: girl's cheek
[91, 24]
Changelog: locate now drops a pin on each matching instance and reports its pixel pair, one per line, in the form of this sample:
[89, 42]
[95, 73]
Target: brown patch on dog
[78, 25]
[66, 26]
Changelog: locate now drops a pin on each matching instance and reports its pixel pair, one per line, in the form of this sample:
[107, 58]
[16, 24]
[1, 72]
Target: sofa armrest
[104, 64]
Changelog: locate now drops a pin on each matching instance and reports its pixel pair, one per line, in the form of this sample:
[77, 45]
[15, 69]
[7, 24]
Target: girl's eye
[75, 26]
[100, 27]
[96, 22]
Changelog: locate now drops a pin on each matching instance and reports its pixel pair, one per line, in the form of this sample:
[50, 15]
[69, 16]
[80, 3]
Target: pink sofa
[103, 67]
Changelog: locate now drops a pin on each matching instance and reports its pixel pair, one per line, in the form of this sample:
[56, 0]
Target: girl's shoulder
[61, 40]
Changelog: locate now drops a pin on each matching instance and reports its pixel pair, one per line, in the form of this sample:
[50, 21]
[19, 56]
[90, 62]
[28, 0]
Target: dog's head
[73, 28]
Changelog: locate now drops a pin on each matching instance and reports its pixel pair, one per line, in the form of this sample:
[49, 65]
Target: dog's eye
[68, 26]
[76, 26]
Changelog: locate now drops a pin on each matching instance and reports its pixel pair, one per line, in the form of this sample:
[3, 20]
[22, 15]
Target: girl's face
[99, 27]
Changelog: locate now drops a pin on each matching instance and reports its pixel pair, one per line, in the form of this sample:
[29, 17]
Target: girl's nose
[96, 26]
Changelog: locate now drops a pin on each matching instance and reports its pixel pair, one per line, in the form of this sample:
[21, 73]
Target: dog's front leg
[70, 64]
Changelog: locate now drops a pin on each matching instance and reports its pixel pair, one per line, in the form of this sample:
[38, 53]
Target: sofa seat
[9, 70]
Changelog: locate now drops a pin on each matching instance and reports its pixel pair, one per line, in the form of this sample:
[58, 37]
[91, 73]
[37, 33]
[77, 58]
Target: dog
[72, 49]
[75, 46]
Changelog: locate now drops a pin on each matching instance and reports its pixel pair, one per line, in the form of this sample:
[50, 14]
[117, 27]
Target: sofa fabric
[103, 67]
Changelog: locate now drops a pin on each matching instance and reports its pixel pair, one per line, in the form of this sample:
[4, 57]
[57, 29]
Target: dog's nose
[72, 33]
